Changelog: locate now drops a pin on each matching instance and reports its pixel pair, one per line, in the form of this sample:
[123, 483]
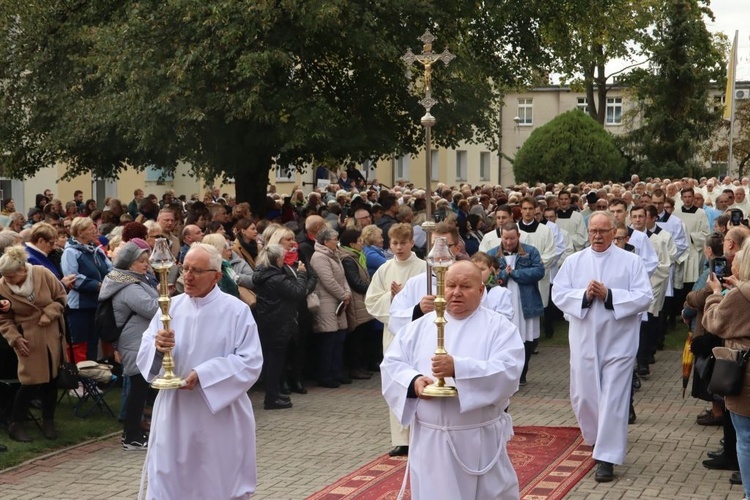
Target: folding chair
[8, 390]
[93, 398]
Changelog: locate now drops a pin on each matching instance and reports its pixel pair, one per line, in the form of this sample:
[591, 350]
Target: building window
[583, 104]
[435, 165]
[461, 165]
[156, 174]
[484, 166]
[402, 168]
[614, 111]
[525, 111]
[285, 173]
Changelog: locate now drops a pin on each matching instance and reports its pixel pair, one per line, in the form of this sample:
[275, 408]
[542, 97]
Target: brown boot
[18, 433]
[48, 429]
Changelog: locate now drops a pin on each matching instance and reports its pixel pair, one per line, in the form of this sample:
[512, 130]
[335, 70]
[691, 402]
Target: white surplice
[697, 230]
[603, 342]
[458, 444]
[499, 300]
[543, 239]
[378, 303]
[202, 442]
[402, 306]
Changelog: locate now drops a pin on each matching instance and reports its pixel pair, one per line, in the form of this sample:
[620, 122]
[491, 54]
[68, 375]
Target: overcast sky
[734, 15]
[730, 15]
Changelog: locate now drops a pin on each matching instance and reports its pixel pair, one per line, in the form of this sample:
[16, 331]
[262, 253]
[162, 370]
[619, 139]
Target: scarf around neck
[26, 290]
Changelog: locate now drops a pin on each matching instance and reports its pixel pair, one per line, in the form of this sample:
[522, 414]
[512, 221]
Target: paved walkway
[330, 433]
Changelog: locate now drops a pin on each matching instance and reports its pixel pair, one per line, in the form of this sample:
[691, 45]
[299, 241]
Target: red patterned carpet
[549, 461]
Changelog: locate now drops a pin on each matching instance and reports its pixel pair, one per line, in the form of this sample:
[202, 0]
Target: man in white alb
[458, 444]
[603, 290]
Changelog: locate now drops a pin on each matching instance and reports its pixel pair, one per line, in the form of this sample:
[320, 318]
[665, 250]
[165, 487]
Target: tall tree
[673, 94]
[233, 86]
[716, 149]
[583, 36]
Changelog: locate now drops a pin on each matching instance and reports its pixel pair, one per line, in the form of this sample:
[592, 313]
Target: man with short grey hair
[202, 442]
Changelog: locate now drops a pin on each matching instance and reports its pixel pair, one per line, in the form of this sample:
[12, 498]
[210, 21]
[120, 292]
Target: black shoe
[297, 387]
[284, 389]
[18, 433]
[279, 404]
[652, 360]
[631, 415]
[535, 351]
[285, 397]
[735, 478]
[344, 380]
[48, 429]
[399, 451]
[716, 454]
[361, 375]
[721, 463]
[643, 371]
[3, 447]
[331, 384]
[605, 472]
[522, 382]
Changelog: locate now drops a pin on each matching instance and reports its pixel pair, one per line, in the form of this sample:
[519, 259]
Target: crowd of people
[333, 276]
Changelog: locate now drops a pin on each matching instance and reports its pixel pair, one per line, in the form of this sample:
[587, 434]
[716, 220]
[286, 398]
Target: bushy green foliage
[231, 86]
[571, 148]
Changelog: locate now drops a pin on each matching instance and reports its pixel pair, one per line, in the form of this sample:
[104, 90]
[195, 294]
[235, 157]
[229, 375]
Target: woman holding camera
[727, 315]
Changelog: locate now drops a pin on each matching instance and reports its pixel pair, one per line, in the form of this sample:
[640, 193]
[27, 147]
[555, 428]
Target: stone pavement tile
[330, 433]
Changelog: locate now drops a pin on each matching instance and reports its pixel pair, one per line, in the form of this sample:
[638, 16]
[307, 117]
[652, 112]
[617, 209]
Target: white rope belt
[445, 429]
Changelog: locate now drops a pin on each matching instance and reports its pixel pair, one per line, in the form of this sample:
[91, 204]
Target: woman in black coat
[278, 297]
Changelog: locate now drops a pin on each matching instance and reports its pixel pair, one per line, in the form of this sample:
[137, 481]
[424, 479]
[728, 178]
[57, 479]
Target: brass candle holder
[161, 261]
[440, 258]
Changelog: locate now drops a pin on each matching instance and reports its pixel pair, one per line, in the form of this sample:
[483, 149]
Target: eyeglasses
[600, 232]
[196, 271]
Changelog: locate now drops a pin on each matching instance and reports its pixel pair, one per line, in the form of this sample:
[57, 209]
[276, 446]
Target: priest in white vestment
[202, 441]
[458, 444]
[603, 290]
[387, 281]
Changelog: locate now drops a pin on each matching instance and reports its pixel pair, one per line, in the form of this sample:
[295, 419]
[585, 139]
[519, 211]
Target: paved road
[329, 433]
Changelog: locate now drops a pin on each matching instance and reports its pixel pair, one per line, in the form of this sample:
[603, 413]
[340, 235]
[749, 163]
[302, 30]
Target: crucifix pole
[427, 58]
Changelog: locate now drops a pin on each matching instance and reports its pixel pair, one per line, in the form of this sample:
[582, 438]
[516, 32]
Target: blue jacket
[38, 258]
[375, 257]
[90, 265]
[528, 271]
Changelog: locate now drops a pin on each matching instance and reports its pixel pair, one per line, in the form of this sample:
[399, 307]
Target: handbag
[313, 302]
[729, 371]
[67, 372]
[247, 296]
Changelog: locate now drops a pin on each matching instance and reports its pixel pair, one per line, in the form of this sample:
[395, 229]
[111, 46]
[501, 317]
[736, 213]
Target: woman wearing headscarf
[34, 328]
[134, 302]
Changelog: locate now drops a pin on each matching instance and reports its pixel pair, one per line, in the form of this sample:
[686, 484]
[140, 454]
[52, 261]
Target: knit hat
[129, 253]
[141, 243]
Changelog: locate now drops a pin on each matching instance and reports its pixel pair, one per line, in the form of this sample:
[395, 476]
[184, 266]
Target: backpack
[104, 321]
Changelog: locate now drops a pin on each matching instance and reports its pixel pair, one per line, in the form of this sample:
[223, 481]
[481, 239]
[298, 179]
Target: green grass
[71, 429]
[674, 341]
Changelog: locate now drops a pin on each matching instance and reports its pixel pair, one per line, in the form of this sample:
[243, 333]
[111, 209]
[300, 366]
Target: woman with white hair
[35, 332]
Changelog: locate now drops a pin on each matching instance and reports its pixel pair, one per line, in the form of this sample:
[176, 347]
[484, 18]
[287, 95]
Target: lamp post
[427, 58]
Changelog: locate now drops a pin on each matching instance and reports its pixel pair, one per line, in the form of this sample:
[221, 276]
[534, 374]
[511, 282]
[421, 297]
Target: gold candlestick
[439, 259]
[161, 261]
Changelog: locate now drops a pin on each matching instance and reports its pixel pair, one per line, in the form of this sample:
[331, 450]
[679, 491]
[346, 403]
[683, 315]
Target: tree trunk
[251, 183]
